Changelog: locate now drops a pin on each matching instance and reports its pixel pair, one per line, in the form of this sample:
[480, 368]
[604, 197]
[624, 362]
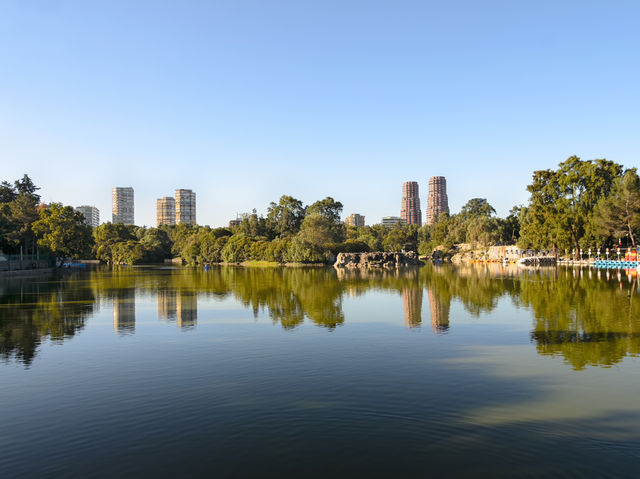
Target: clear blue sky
[244, 101]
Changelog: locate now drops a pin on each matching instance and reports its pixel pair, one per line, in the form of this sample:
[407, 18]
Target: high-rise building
[392, 221]
[185, 207]
[166, 211]
[122, 205]
[437, 202]
[355, 219]
[91, 215]
[410, 211]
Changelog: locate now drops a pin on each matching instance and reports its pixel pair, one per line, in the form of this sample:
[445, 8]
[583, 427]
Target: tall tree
[62, 230]
[285, 218]
[562, 202]
[107, 235]
[25, 186]
[329, 208]
[7, 192]
[619, 213]
[476, 207]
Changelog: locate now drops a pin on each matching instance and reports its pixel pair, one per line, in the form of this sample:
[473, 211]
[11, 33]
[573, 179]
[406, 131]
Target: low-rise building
[392, 221]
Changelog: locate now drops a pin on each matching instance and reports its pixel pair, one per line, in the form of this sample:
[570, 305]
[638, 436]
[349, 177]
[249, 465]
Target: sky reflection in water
[441, 369]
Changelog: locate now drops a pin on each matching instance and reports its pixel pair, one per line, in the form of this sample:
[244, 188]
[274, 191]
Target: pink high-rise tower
[410, 211]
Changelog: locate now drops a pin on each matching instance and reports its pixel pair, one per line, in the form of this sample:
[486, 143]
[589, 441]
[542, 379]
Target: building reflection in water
[439, 308]
[178, 305]
[412, 303]
[167, 304]
[124, 311]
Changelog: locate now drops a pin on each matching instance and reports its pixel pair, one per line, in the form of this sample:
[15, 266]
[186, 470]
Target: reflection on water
[124, 311]
[178, 305]
[439, 308]
[412, 302]
[586, 317]
[32, 311]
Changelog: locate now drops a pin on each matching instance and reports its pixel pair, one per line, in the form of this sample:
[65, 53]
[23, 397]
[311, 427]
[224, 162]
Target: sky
[245, 101]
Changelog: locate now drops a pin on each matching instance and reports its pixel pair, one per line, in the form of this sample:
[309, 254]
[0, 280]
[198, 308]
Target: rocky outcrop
[376, 260]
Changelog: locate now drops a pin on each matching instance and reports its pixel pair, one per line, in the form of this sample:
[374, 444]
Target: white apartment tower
[91, 215]
[122, 205]
[185, 207]
[166, 211]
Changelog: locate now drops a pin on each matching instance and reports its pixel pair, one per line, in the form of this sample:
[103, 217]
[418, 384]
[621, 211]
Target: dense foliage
[582, 204]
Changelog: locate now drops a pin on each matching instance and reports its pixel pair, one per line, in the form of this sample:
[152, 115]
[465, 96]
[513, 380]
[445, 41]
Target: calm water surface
[441, 371]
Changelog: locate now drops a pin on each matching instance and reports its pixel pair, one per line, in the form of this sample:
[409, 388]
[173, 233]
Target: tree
[62, 230]
[619, 213]
[156, 244]
[562, 203]
[285, 218]
[107, 235]
[510, 226]
[329, 208]
[25, 186]
[476, 207]
[314, 241]
[401, 238]
[7, 192]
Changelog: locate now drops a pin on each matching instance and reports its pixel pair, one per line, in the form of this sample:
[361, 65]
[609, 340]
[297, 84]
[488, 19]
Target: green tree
[314, 242]
[329, 208]
[127, 252]
[562, 203]
[156, 244]
[62, 230]
[476, 207]
[107, 235]
[7, 192]
[285, 218]
[237, 249]
[619, 213]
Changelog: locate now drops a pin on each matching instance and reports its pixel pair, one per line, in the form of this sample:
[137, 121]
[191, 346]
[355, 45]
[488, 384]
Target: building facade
[410, 210]
[122, 206]
[437, 201]
[185, 207]
[91, 215]
[165, 211]
[355, 219]
[392, 221]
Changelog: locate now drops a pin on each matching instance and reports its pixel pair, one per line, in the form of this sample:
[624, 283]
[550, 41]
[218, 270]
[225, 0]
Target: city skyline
[341, 100]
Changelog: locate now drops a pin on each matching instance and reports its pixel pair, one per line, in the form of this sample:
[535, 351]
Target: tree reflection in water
[34, 310]
[587, 317]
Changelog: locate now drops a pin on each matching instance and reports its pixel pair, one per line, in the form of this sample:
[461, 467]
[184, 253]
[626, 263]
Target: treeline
[580, 205]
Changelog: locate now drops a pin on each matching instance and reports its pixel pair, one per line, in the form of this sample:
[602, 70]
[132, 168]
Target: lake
[476, 371]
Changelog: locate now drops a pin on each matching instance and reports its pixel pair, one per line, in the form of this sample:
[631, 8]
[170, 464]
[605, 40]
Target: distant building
[91, 215]
[240, 217]
[122, 207]
[392, 221]
[437, 201]
[185, 207]
[410, 209]
[355, 219]
[166, 211]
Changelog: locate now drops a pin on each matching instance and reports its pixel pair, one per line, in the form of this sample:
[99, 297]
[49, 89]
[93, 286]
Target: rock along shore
[376, 260]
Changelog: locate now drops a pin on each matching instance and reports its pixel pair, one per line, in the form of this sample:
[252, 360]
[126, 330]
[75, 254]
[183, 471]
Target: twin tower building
[437, 201]
[169, 210]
